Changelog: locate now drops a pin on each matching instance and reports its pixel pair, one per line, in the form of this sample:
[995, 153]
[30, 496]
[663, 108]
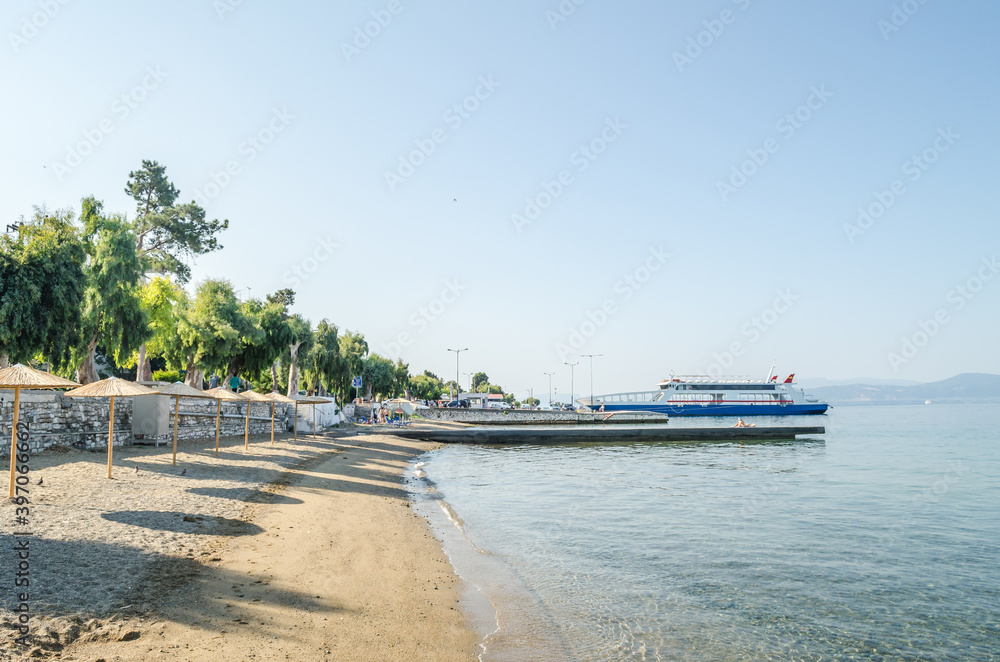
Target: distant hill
[970, 387]
[822, 382]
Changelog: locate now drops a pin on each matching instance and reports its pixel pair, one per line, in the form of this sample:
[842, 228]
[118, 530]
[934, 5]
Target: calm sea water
[877, 541]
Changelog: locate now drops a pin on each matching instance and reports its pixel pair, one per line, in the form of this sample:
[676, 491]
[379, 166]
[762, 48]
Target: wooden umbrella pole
[296, 424]
[218, 413]
[13, 437]
[314, 420]
[111, 434]
[177, 414]
[272, 424]
[246, 432]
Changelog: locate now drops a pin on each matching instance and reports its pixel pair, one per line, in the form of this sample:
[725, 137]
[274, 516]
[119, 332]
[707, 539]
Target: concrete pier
[615, 434]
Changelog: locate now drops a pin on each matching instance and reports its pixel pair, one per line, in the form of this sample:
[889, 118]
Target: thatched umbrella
[21, 376]
[178, 391]
[309, 400]
[276, 397]
[221, 394]
[111, 388]
[253, 396]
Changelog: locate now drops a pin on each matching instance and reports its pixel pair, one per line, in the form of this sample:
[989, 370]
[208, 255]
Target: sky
[700, 187]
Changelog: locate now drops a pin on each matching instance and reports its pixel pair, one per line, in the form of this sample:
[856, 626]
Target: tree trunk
[193, 377]
[274, 377]
[4, 361]
[293, 370]
[143, 371]
[87, 372]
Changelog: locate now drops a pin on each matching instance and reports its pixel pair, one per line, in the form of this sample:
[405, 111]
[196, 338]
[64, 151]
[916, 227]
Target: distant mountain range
[821, 382]
[970, 387]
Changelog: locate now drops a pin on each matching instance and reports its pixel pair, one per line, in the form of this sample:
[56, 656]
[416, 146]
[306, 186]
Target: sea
[878, 540]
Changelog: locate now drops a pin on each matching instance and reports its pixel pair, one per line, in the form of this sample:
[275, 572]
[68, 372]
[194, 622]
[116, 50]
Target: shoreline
[510, 619]
[307, 547]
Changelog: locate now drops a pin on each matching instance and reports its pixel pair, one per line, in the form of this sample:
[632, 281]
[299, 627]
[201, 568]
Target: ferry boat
[700, 395]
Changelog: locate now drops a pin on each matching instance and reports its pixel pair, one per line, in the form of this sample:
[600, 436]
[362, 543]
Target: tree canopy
[42, 284]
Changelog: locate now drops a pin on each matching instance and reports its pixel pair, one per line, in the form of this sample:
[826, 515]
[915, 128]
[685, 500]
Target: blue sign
[356, 382]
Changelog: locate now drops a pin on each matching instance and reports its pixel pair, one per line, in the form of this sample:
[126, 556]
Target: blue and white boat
[700, 395]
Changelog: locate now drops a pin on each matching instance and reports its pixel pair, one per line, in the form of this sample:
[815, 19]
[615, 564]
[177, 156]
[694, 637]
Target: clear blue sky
[657, 193]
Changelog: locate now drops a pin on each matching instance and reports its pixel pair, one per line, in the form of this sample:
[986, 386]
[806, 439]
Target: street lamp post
[591, 357]
[550, 387]
[571, 391]
[458, 384]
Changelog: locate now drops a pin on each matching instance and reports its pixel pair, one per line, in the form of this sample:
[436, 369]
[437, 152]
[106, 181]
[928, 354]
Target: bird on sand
[184, 472]
[137, 468]
[39, 481]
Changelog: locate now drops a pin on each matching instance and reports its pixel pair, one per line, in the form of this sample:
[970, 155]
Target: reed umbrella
[221, 394]
[310, 400]
[253, 396]
[111, 388]
[178, 391]
[18, 377]
[276, 397]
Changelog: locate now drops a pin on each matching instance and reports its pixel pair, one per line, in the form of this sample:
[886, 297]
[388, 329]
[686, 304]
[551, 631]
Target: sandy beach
[306, 550]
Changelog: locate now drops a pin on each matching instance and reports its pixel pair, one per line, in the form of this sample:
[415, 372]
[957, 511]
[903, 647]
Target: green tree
[160, 300]
[299, 345]
[208, 330]
[264, 333]
[324, 357]
[353, 350]
[427, 386]
[112, 314]
[42, 284]
[384, 378]
[479, 380]
[167, 234]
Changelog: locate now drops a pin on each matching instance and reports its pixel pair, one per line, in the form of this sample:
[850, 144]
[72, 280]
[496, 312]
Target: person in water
[741, 424]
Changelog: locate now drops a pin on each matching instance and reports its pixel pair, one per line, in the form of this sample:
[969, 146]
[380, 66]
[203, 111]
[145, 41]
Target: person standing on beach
[234, 384]
[214, 381]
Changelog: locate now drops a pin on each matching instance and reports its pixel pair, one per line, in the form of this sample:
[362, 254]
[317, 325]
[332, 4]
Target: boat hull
[723, 409]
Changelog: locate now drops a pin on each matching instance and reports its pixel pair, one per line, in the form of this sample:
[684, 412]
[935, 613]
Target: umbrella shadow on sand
[178, 522]
[244, 494]
[74, 581]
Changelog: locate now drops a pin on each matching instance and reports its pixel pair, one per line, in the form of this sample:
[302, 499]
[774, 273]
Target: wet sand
[308, 550]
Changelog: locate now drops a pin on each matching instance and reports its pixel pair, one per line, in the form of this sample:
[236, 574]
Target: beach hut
[253, 396]
[111, 388]
[276, 397]
[18, 377]
[178, 391]
[221, 394]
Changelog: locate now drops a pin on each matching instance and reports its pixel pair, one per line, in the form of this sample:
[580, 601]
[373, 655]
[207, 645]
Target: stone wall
[54, 419]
